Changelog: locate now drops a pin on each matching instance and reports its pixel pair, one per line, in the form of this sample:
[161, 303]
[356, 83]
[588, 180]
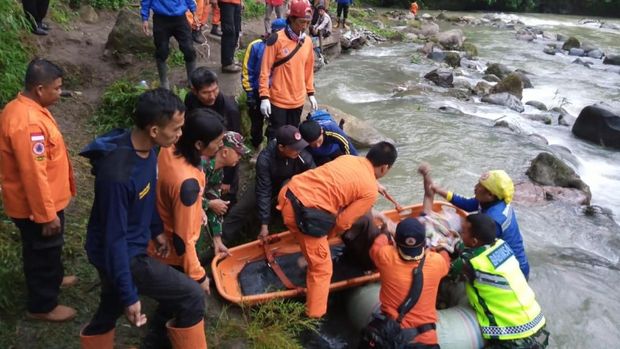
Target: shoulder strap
[290, 55]
[414, 292]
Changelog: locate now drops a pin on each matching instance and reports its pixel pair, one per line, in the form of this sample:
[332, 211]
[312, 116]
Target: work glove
[265, 108]
[313, 103]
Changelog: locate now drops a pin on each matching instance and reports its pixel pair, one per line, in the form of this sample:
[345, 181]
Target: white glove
[265, 108]
[313, 103]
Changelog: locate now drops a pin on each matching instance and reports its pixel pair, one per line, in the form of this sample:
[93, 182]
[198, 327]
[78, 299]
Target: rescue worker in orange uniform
[414, 8]
[287, 71]
[180, 185]
[203, 8]
[37, 185]
[339, 192]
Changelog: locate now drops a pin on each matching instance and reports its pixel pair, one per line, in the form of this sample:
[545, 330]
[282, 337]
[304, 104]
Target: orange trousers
[203, 8]
[317, 254]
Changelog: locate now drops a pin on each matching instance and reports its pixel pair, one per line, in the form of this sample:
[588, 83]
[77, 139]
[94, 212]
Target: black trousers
[280, 117]
[342, 10]
[35, 10]
[258, 120]
[176, 293]
[231, 26]
[165, 27]
[42, 264]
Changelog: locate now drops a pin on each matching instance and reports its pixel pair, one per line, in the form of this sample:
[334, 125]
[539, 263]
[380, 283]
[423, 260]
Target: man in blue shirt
[169, 20]
[327, 141]
[123, 220]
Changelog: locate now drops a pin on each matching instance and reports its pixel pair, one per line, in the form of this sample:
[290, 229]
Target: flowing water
[575, 259]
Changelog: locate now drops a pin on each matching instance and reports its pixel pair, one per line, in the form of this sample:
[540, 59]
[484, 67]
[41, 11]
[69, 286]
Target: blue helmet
[277, 24]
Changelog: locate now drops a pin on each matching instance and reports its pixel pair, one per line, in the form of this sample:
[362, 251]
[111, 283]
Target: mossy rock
[572, 42]
[498, 69]
[453, 59]
[415, 24]
[547, 169]
[470, 49]
[511, 84]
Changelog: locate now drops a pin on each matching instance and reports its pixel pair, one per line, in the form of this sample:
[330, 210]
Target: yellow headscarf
[499, 184]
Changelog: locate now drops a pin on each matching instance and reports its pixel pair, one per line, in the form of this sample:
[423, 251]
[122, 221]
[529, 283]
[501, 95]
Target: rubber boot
[156, 335]
[189, 68]
[162, 69]
[99, 341]
[188, 337]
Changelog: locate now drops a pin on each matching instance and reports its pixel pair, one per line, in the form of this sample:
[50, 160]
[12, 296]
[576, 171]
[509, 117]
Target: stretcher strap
[273, 264]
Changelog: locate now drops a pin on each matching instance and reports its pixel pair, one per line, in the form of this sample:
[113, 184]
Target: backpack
[323, 117]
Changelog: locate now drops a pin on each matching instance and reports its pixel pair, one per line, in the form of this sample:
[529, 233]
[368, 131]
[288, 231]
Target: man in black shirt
[206, 93]
[284, 157]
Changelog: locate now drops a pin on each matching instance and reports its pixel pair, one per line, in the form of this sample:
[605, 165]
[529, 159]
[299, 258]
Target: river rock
[550, 36]
[572, 42]
[511, 84]
[427, 17]
[598, 125]
[498, 69]
[524, 36]
[429, 29]
[586, 64]
[538, 105]
[377, 23]
[491, 78]
[610, 26]
[612, 59]
[550, 50]
[453, 59]
[461, 83]
[427, 48]
[352, 40]
[548, 170]
[470, 49]
[441, 77]
[127, 36]
[587, 46]
[437, 56]
[361, 132]
[531, 193]
[411, 37]
[88, 14]
[562, 37]
[472, 64]
[505, 124]
[451, 39]
[545, 119]
[596, 54]
[576, 52]
[331, 45]
[483, 88]
[523, 75]
[506, 99]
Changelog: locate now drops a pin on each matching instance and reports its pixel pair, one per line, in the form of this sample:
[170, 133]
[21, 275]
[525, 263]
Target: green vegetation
[253, 9]
[16, 49]
[61, 13]
[117, 105]
[101, 4]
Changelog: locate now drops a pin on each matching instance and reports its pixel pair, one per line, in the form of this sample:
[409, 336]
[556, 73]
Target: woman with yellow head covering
[492, 196]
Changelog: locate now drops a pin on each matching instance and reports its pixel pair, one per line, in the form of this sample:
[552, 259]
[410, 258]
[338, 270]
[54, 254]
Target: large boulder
[598, 125]
[331, 45]
[531, 193]
[127, 37]
[506, 99]
[572, 42]
[453, 59]
[538, 105]
[441, 77]
[511, 84]
[548, 170]
[451, 39]
[361, 132]
[428, 29]
[88, 14]
[498, 69]
[470, 49]
[612, 59]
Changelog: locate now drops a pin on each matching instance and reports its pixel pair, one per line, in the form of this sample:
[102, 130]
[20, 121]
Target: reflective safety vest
[504, 303]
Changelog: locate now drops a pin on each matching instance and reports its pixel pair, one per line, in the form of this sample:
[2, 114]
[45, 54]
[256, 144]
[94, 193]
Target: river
[575, 259]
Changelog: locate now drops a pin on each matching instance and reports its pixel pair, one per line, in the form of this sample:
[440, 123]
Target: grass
[253, 9]
[61, 13]
[117, 106]
[16, 49]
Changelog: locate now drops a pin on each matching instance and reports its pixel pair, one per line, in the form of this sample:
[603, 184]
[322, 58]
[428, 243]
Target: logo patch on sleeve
[38, 148]
[37, 137]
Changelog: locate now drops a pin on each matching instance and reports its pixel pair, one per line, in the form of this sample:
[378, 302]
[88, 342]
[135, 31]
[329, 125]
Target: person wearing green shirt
[215, 208]
[508, 313]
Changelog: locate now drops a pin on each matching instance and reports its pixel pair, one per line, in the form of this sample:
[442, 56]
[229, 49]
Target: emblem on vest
[500, 255]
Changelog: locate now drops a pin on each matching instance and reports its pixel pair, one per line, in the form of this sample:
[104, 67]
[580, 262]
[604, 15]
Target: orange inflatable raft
[259, 271]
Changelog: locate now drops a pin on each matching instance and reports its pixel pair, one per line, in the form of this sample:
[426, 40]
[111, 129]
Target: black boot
[189, 68]
[198, 37]
[162, 69]
[215, 30]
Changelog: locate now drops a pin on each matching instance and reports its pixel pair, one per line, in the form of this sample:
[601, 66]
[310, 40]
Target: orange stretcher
[260, 271]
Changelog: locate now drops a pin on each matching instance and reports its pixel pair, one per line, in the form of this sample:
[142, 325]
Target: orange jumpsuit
[396, 277]
[179, 202]
[203, 7]
[292, 81]
[345, 187]
[37, 177]
[414, 8]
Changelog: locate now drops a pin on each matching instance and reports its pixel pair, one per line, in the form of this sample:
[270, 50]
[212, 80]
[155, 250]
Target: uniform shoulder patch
[271, 39]
[500, 255]
[190, 190]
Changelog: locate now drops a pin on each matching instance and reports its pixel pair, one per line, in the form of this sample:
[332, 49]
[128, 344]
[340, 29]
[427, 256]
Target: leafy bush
[117, 106]
[14, 55]
[253, 9]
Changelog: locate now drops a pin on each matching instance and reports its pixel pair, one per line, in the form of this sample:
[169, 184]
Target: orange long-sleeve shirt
[346, 187]
[396, 275]
[36, 173]
[179, 202]
[292, 81]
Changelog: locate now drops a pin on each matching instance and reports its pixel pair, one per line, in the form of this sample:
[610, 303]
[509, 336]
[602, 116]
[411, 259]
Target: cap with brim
[235, 140]
[410, 238]
[288, 135]
[300, 9]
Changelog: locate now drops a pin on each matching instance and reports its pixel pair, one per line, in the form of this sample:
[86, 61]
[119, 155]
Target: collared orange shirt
[36, 173]
[396, 275]
[292, 81]
[346, 187]
[182, 221]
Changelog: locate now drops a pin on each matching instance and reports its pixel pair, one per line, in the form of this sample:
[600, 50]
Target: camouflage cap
[235, 140]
